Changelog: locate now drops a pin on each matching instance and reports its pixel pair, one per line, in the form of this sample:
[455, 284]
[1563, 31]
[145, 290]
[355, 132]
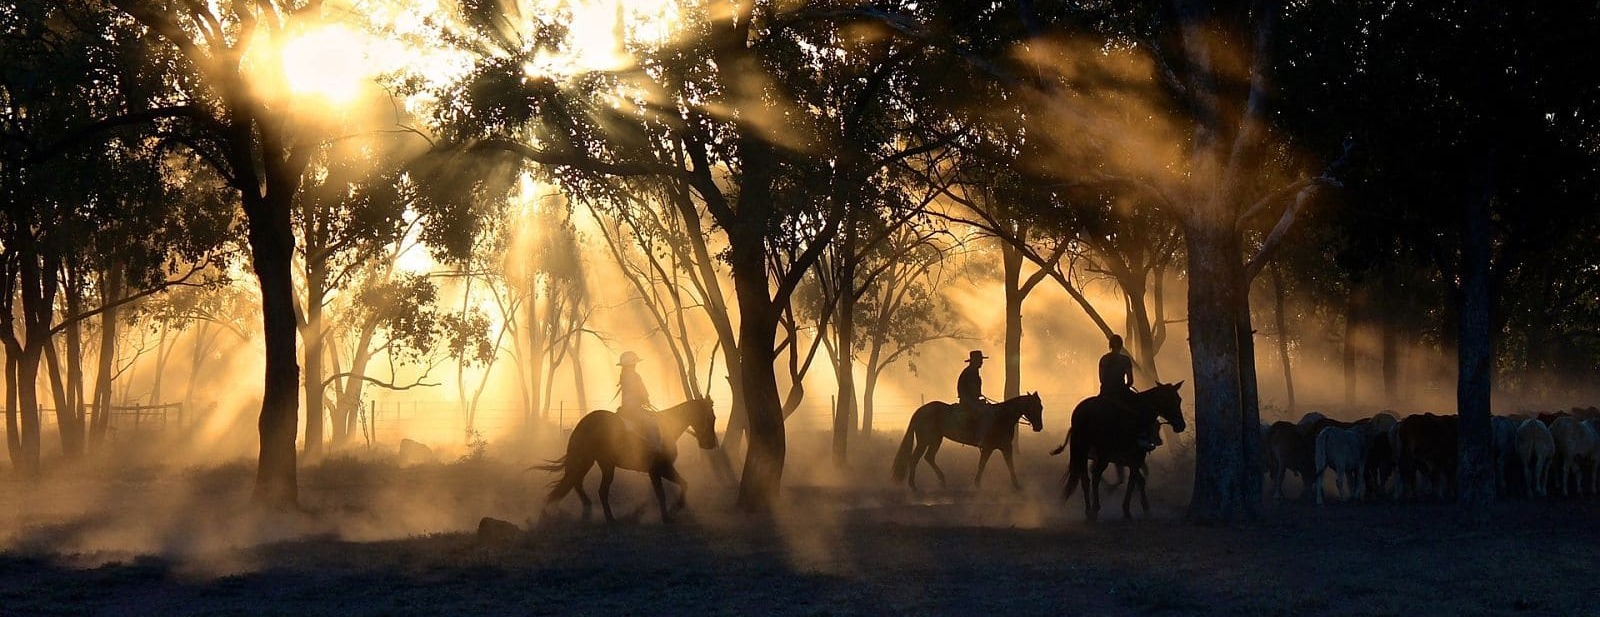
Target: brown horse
[1109, 434]
[600, 438]
[937, 421]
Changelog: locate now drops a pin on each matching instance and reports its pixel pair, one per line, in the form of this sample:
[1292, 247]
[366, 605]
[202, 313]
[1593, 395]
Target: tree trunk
[1351, 319]
[1475, 346]
[844, 413]
[58, 393]
[354, 383]
[1220, 465]
[13, 430]
[1011, 262]
[1282, 324]
[28, 400]
[579, 384]
[1249, 404]
[72, 430]
[758, 325]
[105, 363]
[1389, 338]
[1142, 332]
[535, 352]
[312, 338]
[272, 251]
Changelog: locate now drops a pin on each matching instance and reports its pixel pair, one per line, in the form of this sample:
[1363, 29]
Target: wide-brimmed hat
[975, 355]
[628, 359]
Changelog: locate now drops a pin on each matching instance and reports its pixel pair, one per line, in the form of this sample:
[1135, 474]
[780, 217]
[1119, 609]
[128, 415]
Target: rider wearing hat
[635, 408]
[1116, 385]
[969, 389]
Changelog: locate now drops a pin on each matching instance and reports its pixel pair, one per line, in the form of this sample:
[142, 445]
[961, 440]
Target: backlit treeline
[767, 189]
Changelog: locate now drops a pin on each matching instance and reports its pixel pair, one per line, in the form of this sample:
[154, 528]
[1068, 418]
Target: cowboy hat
[628, 359]
[976, 355]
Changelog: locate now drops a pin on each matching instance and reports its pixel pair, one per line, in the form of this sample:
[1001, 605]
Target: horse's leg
[1094, 487]
[1144, 498]
[661, 495]
[916, 459]
[607, 472]
[933, 450]
[683, 487]
[1011, 468]
[1127, 492]
[983, 461]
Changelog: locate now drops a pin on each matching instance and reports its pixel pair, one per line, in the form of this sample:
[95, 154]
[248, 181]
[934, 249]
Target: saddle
[966, 417]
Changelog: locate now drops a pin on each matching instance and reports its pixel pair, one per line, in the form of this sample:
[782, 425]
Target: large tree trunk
[272, 250]
[758, 324]
[1475, 474]
[1221, 469]
[1011, 263]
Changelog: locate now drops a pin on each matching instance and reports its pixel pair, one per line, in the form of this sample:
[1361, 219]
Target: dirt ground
[383, 539]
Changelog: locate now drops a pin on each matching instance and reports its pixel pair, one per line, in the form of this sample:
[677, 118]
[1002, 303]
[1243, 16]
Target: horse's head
[1032, 410]
[703, 423]
[1165, 400]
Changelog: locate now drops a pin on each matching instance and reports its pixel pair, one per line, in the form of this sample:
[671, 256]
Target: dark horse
[1109, 433]
[600, 438]
[937, 421]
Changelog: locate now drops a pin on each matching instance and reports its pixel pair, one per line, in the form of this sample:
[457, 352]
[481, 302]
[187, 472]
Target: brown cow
[1288, 450]
[1424, 444]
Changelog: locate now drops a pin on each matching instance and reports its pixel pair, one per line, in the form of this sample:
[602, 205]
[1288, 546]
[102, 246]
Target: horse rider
[969, 389]
[635, 409]
[1116, 386]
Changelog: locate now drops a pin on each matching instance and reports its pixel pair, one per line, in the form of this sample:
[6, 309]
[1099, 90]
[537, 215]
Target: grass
[383, 539]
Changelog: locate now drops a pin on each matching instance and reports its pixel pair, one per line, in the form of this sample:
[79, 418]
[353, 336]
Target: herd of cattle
[1535, 454]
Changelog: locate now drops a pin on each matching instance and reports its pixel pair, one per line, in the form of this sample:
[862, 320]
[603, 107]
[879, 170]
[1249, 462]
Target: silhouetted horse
[1109, 434]
[600, 438]
[937, 421]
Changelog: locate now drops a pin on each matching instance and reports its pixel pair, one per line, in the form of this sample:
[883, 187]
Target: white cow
[1345, 450]
[1576, 443]
[1535, 448]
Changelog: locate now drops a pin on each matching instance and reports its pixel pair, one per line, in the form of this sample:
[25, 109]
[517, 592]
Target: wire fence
[391, 421]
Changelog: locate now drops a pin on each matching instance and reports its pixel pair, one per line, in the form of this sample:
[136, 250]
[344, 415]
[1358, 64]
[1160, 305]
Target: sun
[328, 63]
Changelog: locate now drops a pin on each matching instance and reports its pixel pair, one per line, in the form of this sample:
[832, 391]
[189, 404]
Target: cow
[1535, 448]
[1380, 457]
[1424, 444]
[1345, 451]
[1575, 452]
[1288, 451]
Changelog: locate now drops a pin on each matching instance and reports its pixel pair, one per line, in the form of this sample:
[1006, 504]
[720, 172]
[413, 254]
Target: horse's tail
[559, 464]
[902, 457]
[1059, 449]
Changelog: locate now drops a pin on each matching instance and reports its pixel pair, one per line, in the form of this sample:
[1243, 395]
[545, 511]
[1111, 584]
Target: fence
[128, 419]
[391, 421]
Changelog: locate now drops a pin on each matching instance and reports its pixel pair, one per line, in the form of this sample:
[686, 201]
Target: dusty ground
[381, 539]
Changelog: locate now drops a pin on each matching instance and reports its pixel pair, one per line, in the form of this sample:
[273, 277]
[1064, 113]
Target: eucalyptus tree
[86, 199]
[721, 94]
[233, 108]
